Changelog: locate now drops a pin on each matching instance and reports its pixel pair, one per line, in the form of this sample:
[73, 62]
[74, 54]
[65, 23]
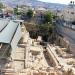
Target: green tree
[1, 6]
[32, 29]
[45, 30]
[16, 11]
[30, 14]
[48, 17]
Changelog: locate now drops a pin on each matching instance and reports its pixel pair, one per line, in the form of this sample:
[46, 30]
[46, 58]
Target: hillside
[33, 3]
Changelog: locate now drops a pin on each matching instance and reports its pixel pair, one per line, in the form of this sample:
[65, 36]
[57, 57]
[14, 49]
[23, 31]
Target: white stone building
[69, 13]
[59, 13]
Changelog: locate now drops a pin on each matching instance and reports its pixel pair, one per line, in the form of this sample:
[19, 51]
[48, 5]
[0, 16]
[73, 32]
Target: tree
[45, 30]
[54, 17]
[30, 14]
[16, 11]
[32, 29]
[48, 17]
[1, 6]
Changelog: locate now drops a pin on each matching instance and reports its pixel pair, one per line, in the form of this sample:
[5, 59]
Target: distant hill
[33, 3]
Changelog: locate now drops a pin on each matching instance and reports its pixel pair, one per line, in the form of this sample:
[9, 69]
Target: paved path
[69, 34]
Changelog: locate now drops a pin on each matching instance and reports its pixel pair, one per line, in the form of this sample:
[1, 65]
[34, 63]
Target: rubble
[31, 58]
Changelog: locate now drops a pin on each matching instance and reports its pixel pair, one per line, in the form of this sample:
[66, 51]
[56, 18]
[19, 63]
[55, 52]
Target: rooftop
[7, 29]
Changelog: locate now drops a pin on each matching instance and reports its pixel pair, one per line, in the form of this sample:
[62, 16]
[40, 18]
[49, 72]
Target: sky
[58, 1]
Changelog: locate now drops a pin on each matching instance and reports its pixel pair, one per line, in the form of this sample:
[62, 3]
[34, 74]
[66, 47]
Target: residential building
[69, 13]
[59, 13]
[24, 8]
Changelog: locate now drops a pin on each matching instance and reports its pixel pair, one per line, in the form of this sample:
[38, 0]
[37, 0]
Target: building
[10, 34]
[58, 13]
[69, 13]
[24, 8]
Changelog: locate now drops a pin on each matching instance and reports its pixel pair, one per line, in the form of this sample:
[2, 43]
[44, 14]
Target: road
[67, 33]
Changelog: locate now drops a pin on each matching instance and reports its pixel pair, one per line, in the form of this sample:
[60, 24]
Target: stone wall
[62, 42]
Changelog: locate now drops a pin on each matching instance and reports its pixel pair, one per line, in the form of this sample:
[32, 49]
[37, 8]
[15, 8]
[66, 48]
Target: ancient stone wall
[62, 42]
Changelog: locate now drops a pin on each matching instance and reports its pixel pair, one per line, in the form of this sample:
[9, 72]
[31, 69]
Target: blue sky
[58, 1]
